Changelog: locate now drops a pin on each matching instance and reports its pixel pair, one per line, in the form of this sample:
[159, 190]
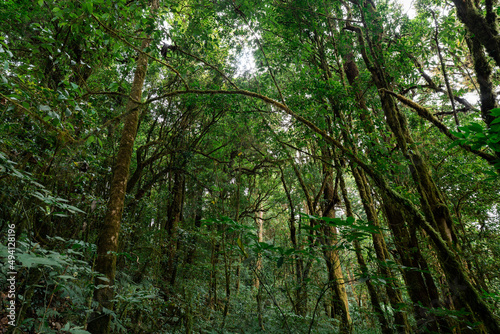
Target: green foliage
[62, 276]
[478, 137]
[191, 260]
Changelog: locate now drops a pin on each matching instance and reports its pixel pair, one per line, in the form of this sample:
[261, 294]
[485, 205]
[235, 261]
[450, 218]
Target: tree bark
[485, 29]
[107, 245]
[432, 201]
[414, 264]
[329, 239]
[372, 292]
[404, 243]
[258, 263]
[392, 288]
[174, 216]
[483, 76]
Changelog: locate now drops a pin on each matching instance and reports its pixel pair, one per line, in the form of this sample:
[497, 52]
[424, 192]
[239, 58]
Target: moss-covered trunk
[329, 239]
[174, 216]
[422, 291]
[372, 292]
[107, 244]
[484, 28]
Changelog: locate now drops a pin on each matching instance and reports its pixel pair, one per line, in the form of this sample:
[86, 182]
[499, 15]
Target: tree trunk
[107, 244]
[417, 288]
[300, 303]
[392, 288]
[483, 75]
[174, 216]
[335, 276]
[411, 258]
[374, 298]
[433, 203]
[212, 288]
[258, 263]
[485, 29]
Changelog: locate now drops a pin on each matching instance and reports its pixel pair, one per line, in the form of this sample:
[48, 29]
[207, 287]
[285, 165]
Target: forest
[245, 166]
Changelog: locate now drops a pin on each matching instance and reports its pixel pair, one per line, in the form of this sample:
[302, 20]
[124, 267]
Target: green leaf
[66, 277]
[496, 120]
[242, 247]
[28, 260]
[496, 111]
[476, 127]
[53, 115]
[280, 262]
[90, 140]
[458, 134]
[114, 86]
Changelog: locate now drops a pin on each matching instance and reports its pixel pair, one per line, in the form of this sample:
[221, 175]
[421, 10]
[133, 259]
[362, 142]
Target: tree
[345, 180]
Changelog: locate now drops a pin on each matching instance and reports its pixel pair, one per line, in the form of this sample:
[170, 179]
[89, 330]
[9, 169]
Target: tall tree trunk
[484, 28]
[432, 201]
[227, 275]
[335, 276]
[260, 316]
[374, 297]
[258, 263]
[411, 258]
[174, 216]
[212, 288]
[107, 244]
[392, 288]
[393, 292]
[301, 271]
[404, 243]
[197, 224]
[381, 252]
[483, 75]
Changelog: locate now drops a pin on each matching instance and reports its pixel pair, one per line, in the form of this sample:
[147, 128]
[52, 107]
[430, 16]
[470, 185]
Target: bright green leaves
[88, 6]
[50, 114]
[242, 247]
[349, 229]
[47, 202]
[478, 137]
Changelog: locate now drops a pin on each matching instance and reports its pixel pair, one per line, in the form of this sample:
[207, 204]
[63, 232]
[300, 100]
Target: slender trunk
[174, 216]
[335, 276]
[238, 275]
[299, 306]
[259, 308]
[258, 264]
[212, 289]
[433, 202]
[392, 288]
[107, 244]
[413, 263]
[197, 224]
[484, 28]
[483, 75]
[374, 297]
[227, 266]
[417, 288]
[393, 292]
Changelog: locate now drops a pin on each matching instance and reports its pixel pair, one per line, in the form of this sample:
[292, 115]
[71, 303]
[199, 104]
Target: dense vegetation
[239, 166]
